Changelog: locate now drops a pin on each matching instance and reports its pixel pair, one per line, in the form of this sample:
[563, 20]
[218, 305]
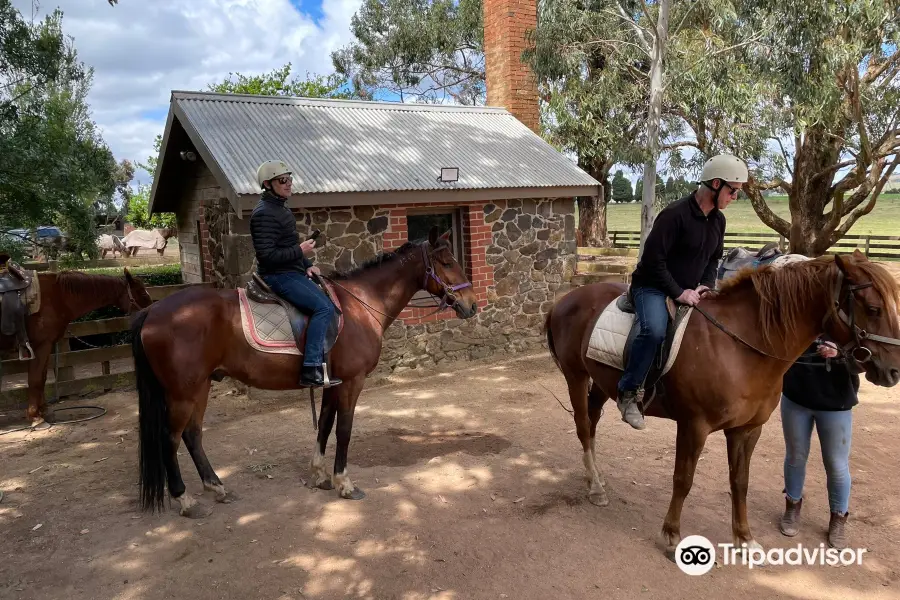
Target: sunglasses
[283, 180]
[734, 191]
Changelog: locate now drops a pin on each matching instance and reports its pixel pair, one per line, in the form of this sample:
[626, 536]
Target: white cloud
[141, 50]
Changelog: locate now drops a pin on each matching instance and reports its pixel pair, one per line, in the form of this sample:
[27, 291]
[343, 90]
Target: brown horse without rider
[65, 297]
[184, 341]
[728, 374]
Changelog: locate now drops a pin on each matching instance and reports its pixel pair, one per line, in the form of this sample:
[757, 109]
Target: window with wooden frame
[419, 222]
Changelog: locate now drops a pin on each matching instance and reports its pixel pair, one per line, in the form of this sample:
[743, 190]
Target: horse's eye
[873, 311]
[447, 265]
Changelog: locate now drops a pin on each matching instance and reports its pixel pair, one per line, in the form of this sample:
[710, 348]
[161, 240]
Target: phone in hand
[316, 233]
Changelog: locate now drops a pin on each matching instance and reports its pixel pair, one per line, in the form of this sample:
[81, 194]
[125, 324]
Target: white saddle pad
[607, 343]
[266, 326]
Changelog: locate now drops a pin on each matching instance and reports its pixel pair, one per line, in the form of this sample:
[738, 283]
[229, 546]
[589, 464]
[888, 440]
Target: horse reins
[429, 273]
[853, 346]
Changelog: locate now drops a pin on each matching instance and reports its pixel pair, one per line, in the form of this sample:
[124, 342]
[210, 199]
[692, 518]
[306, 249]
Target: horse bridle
[448, 290]
[853, 347]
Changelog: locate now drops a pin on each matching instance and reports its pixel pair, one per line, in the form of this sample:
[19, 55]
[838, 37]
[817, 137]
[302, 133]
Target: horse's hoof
[227, 498]
[197, 511]
[356, 494]
[40, 424]
[670, 554]
[325, 485]
[600, 499]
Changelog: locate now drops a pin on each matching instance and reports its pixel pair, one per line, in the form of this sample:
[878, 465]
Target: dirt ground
[475, 490]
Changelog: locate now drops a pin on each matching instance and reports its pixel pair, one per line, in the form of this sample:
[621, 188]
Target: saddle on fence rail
[272, 324]
[19, 295]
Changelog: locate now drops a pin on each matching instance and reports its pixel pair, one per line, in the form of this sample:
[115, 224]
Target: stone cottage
[372, 175]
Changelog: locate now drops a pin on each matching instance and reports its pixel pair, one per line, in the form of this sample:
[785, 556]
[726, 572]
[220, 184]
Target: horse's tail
[153, 419]
[550, 338]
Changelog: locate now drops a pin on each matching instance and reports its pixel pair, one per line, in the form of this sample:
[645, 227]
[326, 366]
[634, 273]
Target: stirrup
[326, 381]
[30, 351]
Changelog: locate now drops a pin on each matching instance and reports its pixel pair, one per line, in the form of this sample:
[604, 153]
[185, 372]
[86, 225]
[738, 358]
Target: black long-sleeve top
[683, 249]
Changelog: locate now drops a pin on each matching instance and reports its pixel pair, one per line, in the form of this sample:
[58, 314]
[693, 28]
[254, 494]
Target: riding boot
[627, 403]
[837, 538]
[790, 521]
[314, 376]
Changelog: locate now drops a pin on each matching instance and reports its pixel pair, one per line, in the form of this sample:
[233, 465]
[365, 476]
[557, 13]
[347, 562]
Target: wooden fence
[65, 362]
[874, 246]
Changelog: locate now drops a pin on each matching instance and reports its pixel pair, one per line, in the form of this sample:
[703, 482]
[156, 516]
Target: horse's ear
[859, 256]
[842, 264]
[433, 236]
[446, 236]
[128, 276]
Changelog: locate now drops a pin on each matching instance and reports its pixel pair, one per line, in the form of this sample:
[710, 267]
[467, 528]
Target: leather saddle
[14, 281]
[741, 258]
[259, 291]
[677, 312]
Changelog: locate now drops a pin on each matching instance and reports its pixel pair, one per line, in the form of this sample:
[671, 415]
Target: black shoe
[315, 377]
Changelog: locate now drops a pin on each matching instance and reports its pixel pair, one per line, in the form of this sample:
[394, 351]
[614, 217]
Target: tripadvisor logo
[696, 555]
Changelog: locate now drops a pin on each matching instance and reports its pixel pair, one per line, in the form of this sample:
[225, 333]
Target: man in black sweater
[679, 261]
[283, 265]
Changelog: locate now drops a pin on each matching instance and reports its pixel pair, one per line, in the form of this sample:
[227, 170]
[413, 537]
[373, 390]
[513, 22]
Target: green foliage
[278, 83]
[138, 212]
[54, 166]
[621, 188]
[431, 50]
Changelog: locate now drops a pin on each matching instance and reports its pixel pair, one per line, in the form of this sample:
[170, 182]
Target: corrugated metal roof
[339, 146]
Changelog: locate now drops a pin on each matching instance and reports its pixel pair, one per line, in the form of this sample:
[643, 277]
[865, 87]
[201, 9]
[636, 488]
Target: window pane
[418, 226]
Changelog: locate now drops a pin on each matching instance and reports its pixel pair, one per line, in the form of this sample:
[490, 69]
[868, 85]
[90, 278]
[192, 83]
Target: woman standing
[820, 389]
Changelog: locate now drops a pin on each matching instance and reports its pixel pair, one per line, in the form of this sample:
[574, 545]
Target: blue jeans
[300, 291]
[834, 428]
[651, 313]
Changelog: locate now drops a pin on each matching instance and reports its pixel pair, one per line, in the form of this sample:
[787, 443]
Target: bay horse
[728, 374]
[64, 297]
[183, 342]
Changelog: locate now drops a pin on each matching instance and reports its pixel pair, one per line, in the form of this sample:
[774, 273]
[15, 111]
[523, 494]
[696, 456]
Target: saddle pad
[607, 343]
[32, 296]
[267, 327]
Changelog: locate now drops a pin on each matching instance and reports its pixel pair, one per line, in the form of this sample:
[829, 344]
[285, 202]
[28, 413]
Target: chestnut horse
[65, 297]
[728, 373]
[183, 342]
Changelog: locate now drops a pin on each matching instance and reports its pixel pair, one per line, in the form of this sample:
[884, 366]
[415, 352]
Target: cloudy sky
[141, 50]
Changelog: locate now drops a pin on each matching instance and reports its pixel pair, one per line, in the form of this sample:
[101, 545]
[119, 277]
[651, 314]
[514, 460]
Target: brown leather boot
[790, 521]
[837, 537]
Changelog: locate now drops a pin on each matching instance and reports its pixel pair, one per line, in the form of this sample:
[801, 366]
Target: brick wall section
[510, 82]
[476, 236]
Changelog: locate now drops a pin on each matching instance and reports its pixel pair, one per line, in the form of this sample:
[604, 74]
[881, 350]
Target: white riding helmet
[270, 170]
[725, 167]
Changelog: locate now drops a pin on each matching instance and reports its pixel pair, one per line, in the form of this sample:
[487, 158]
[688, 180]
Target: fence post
[614, 239]
[867, 246]
[781, 241]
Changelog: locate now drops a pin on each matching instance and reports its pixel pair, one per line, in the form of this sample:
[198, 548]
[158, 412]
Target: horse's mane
[374, 263]
[785, 292]
[77, 283]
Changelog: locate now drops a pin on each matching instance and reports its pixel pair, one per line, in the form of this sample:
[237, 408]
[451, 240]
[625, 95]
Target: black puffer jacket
[275, 239]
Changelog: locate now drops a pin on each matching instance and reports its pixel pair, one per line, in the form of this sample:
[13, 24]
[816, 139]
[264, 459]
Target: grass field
[883, 220]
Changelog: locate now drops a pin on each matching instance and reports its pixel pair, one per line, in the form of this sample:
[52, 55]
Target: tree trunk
[660, 36]
[592, 229]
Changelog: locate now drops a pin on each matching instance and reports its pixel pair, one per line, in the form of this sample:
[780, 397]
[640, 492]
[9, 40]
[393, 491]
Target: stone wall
[193, 235]
[519, 256]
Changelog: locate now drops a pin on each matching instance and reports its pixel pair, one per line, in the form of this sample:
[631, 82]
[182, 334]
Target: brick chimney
[510, 82]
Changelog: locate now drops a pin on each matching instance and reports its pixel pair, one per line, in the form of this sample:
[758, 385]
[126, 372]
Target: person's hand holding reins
[827, 350]
[689, 297]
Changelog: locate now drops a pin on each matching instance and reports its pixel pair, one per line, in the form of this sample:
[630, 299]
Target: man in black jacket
[283, 265]
[680, 258]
